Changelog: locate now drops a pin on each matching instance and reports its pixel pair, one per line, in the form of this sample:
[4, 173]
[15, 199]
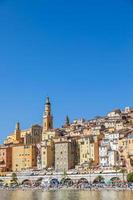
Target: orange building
[24, 157]
[5, 159]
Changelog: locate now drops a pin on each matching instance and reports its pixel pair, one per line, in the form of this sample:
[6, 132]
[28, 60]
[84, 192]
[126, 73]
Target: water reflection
[65, 195]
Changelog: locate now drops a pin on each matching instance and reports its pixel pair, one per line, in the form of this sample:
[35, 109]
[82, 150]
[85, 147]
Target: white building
[103, 155]
[112, 158]
[108, 150]
[114, 114]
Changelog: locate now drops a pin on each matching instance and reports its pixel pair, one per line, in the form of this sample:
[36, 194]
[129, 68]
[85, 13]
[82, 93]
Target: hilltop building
[102, 143]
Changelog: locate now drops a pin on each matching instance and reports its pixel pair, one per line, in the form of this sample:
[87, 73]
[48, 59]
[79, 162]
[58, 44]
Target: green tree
[14, 178]
[130, 177]
[67, 121]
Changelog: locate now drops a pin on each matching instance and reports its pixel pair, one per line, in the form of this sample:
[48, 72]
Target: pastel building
[5, 158]
[108, 150]
[88, 149]
[47, 154]
[24, 157]
[65, 152]
[16, 137]
[126, 151]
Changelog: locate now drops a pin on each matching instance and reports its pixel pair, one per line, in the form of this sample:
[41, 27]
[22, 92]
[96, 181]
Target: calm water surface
[65, 195]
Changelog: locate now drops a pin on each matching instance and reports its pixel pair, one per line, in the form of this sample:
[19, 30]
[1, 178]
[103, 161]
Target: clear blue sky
[80, 53]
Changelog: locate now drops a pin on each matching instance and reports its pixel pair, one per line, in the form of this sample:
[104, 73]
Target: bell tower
[47, 117]
[18, 132]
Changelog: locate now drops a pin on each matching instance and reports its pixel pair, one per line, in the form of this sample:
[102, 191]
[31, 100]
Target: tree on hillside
[67, 121]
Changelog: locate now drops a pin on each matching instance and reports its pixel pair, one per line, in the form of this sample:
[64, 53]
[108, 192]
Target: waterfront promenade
[74, 177]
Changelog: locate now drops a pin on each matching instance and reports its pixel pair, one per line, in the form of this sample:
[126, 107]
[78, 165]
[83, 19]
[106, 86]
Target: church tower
[18, 132]
[47, 117]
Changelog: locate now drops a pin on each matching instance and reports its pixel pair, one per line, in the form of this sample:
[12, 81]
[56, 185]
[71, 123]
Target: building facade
[34, 135]
[65, 155]
[47, 154]
[89, 150]
[108, 150]
[24, 157]
[5, 159]
[126, 152]
[15, 137]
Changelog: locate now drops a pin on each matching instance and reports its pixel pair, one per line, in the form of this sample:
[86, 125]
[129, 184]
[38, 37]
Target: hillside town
[101, 144]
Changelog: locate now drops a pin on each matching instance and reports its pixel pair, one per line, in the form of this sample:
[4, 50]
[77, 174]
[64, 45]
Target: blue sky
[80, 53]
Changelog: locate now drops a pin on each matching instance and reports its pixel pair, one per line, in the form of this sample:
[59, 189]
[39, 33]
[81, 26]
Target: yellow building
[16, 137]
[88, 150]
[24, 157]
[32, 135]
[126, 152]
[47, 154]
[51, 134]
